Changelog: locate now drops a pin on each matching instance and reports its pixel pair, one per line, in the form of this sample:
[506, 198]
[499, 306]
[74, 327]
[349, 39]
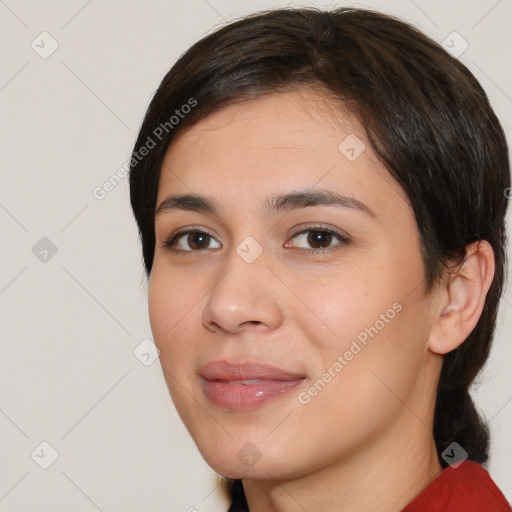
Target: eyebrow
[273, 205]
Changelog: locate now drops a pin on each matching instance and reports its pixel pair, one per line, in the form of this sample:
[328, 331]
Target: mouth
[246, 385]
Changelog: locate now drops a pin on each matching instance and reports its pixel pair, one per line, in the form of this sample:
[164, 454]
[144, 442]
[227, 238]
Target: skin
[365, 441]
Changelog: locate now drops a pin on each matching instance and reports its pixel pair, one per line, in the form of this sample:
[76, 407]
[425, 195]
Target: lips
[245, 382]
[246, 385]
[226, 371]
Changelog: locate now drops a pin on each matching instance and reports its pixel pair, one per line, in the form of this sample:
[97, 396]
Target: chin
[249, 462]
[234, 468]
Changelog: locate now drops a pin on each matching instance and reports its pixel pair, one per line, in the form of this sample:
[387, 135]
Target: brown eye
[190, 241]
[198, 240]
[318, 239]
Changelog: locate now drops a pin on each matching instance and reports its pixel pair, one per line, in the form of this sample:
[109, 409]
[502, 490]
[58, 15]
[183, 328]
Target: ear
[462, 298]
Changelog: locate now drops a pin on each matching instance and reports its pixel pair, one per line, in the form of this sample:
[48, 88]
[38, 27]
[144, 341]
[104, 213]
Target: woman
[321, 199]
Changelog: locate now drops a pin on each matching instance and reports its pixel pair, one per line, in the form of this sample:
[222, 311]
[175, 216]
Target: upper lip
[225, 370]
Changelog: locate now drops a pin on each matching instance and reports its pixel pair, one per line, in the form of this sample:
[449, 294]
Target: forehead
[274, 143]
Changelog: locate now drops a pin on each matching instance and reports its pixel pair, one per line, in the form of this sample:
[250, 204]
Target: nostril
[255, 322]
[212, 326]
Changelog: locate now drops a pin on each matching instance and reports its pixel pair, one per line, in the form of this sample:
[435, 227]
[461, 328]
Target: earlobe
[463, 298]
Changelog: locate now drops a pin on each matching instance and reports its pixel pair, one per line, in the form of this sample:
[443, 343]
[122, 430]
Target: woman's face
[329, 294]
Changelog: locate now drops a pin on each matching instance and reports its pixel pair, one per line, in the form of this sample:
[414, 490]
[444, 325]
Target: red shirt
[468, 488]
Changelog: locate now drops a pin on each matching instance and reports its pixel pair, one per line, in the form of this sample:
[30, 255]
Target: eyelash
[344, 240]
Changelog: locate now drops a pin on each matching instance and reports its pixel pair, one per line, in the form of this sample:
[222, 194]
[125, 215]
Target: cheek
[362, 385]
[365, 326]
[173, 309]
[172, 315]
[375, 298]
[340, 306]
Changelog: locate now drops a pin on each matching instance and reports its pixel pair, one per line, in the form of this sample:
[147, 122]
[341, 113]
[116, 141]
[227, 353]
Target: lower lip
[245, 396]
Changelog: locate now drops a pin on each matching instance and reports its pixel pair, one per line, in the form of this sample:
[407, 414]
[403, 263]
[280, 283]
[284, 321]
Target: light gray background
[68, 374]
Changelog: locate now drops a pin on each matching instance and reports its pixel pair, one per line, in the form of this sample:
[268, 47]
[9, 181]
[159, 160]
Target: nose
[245, 296]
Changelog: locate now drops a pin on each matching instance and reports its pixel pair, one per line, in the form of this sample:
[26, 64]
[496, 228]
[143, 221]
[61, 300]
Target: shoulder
[467, 487]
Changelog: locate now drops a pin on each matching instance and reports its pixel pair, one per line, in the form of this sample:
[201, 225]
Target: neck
[392, 469]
